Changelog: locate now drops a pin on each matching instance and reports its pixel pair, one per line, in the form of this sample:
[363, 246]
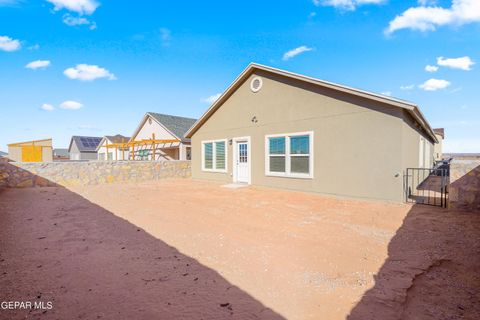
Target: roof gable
[85, 144]
[410, 107]
[118, 138]
[174, 125]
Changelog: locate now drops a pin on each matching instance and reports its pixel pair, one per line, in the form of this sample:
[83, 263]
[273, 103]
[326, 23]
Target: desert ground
[185, 249]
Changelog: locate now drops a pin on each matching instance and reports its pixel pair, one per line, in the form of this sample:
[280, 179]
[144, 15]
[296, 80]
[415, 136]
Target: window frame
[214, 155]
[288, 155]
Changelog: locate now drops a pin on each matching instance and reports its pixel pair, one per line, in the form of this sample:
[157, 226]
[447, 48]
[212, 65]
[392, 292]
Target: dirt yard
[183, 249]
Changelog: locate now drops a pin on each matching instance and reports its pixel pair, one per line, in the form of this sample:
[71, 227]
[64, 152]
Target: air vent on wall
[256, 84]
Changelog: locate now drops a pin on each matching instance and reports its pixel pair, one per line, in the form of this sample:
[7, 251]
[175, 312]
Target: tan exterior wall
[438, 148]
[47, 154]
[15, 153]
[411, 139]
[357, 150]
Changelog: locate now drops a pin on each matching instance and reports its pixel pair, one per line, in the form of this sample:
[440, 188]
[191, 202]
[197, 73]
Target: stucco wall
[361, 147]
[438, 148]
[464, 192]
[357, 142]
[88, 173]
[411, 137]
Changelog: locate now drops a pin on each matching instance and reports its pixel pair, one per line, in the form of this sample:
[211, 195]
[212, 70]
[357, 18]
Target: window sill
[215, 171]
[292, 176]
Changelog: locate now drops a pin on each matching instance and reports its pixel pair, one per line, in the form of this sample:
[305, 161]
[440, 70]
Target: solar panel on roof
[89, 142]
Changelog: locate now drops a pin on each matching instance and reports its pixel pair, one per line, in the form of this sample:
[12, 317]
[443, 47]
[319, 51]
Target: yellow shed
[31, 151]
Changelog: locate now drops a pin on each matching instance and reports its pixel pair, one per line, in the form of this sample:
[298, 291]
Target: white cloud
[429, 18]
[434, 84]
[212, 98]
[294, 52]
[47, 107]
[70, 20]
[387, 93]
[71, 105]
[79, 6]
[430, 68]
[38, 64]
[9, 44]
[346, 4]
[85, 72]
[463, 63]
[34, 47]
[407, 87]
[458, 89]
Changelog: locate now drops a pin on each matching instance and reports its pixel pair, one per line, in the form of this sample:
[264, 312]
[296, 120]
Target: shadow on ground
[432, 270]
[56, 246]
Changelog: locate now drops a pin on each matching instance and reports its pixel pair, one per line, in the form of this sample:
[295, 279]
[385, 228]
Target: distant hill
[460, 156]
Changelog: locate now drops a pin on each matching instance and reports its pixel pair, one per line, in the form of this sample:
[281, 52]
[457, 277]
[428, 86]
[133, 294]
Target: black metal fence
[427, 186]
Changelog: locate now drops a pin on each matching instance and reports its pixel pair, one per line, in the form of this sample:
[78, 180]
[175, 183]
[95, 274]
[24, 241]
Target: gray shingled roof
[2, 154]
[118, 138]
[86, 144]
[177, 125]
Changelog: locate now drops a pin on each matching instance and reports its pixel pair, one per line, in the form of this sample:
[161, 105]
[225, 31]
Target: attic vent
[256, 84]
[149, 120]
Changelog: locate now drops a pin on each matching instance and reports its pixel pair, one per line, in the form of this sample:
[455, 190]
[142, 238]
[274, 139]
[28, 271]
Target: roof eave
[411, 107]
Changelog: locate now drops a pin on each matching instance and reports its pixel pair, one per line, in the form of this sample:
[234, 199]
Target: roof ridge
[171, 115]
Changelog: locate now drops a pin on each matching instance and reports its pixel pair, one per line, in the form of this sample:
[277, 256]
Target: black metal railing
[427, 186]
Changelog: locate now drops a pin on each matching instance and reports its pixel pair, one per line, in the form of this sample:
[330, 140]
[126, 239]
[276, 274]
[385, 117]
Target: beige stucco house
[162, 127]
[279, 129]
[113, 154]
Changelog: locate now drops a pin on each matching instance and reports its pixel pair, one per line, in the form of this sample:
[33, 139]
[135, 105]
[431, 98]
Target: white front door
[241, 161]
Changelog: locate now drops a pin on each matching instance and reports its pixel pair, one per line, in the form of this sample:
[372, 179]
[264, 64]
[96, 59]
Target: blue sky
[84, 67]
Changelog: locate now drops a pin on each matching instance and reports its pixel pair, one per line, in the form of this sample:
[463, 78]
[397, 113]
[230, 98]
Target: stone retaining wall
[24, 175]
[464, 192]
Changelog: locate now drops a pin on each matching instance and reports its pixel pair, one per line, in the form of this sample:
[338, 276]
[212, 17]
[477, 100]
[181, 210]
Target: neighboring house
[438, 147]
[113, 154]
[31, 151]
[60, 154]
[156, 126]
[83, 148]
[3, 154]
[279, 129]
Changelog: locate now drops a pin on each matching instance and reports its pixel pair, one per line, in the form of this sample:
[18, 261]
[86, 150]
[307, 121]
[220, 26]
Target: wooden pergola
[133, 146]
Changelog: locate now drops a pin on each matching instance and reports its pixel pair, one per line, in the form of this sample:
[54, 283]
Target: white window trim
[249, 157]
[287, 173]
[214, 156]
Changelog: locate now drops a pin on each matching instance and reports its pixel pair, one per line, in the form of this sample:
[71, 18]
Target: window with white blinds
[214, 155]
[289, 155]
